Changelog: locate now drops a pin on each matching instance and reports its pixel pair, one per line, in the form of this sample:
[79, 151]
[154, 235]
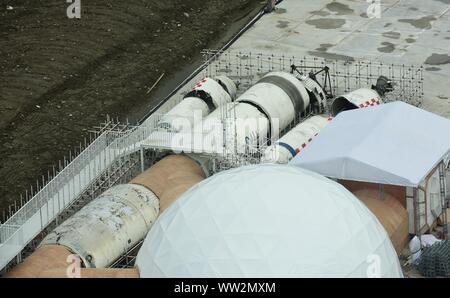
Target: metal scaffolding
[117, 152]
[247, 68]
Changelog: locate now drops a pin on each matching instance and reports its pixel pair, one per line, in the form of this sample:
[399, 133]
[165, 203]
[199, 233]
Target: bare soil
[59, 77]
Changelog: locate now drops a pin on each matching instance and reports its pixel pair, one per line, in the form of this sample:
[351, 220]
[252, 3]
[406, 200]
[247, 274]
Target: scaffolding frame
[116, 152]
[345, 75]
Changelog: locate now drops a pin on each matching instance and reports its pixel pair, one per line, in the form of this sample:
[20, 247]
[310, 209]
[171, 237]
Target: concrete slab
[410, 32]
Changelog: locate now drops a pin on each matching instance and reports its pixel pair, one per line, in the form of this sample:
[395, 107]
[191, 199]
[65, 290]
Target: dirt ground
[59, 77]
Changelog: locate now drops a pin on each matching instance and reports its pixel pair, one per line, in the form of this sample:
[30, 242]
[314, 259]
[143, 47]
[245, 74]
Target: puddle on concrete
[410, 40]
[282, 24]
[387, 25]
[442, 97]
[387, 47]
[331, 56]
[444, 1]
[324, 47]
[339, 8]
[280, 10]
[392, 34]
[320, 13]
[224, 70]
[432, 69]
[422, 23]
[413, 8]
[327, 23]
[364, 15]
[447, 38]
[438, 59]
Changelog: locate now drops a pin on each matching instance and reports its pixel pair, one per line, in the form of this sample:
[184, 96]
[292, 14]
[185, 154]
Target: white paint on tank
[317, 90]
[229, 84]
[360, 98]
[108, 226]
[188, 112]
[364, 97]
[295, 140]
[246, 127]
[215, 90]
[250, 128]
[192, 109]
[274, 101]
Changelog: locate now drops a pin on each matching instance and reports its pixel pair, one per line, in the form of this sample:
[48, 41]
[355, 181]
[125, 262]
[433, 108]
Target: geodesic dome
[268, 221]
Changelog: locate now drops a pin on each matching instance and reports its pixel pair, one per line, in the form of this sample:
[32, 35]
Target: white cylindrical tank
[188, 112]
[295, 140]
[361, 98]
[108, 226]
[243, 126]
[280, 96]
[207, 95]
[227, 84]
[214, 90]
[317, 95]
[243, 224]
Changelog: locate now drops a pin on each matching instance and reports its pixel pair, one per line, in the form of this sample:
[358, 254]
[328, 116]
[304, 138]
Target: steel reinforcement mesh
[246, 68]
[435, 260]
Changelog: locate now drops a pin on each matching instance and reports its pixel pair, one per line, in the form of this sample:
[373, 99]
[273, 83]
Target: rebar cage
[246, 68]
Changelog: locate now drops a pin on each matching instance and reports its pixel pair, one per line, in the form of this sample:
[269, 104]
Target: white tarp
[394, 143]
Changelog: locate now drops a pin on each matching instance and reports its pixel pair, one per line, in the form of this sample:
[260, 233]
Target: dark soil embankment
[59, 77]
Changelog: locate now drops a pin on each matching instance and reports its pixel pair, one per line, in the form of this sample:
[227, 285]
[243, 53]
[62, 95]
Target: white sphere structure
[268, 221]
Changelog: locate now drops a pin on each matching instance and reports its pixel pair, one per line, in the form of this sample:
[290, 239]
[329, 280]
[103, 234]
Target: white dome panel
[267, 221]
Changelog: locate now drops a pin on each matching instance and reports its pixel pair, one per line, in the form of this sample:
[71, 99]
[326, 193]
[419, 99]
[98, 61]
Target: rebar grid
[247, 68]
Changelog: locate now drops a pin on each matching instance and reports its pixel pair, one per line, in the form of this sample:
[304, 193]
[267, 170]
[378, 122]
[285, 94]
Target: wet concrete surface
[421, 23]
[392, 34]
[326, 23]
[405, 33]
[331, 56]
[339, 8]
[386, 47]
[438, 59]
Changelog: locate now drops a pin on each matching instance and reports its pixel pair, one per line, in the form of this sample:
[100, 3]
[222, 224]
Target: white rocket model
[362, 98]
[295, 140]
[205, 97]
[259, 114]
